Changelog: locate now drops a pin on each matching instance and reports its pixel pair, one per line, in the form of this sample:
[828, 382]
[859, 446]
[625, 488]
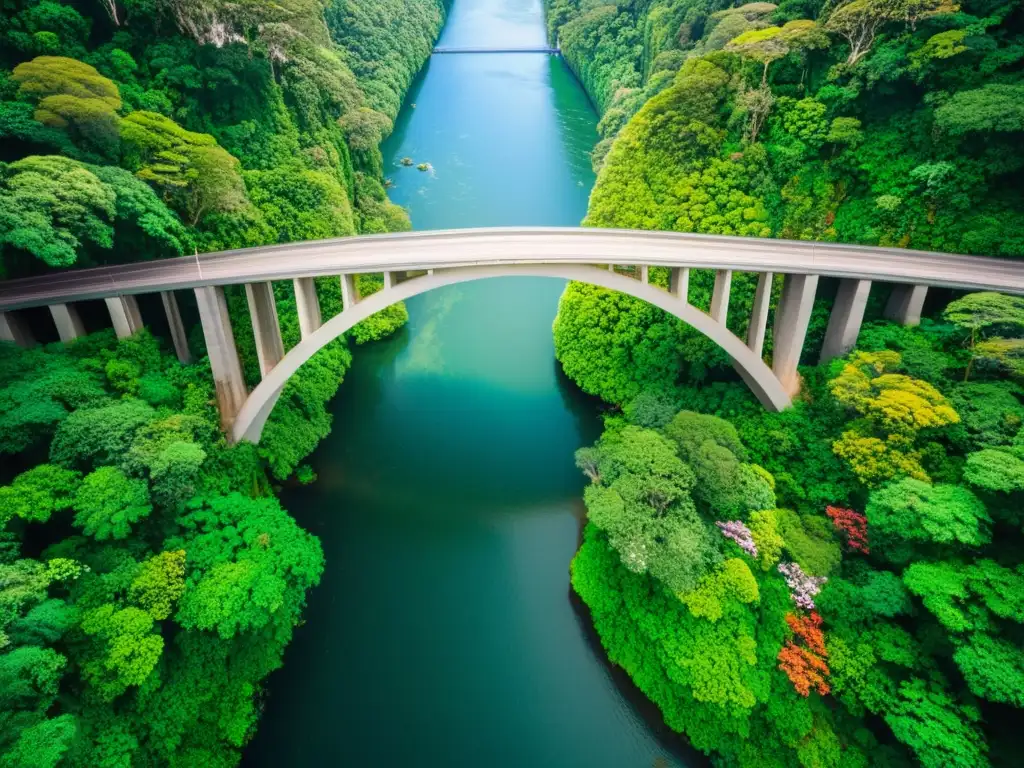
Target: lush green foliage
[867, 121]
[145, 130]
[880, 122]
[909, 652]
[146, 637]
[152, 130]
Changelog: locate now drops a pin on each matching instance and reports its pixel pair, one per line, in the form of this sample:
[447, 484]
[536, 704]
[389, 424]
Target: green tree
[42, 745]
[74, 96]
[38, 493]
[109, 503]
[125, 650]
[985, 314]
[245, 582]
[191, 169]
[995, 470]
[927, 720]
[992, 108]
[640, 498]
[52, 206]
[99, 436]
[159, 583]
[910, 518]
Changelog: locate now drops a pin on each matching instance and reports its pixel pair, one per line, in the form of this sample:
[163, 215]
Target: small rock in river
[406, 161]
[424, 167]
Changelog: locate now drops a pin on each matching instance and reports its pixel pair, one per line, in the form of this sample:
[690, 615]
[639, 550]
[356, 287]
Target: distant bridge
[416, 262]
[505, 49]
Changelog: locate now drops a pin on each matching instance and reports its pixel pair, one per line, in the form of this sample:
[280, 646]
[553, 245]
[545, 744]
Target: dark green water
[444, 632]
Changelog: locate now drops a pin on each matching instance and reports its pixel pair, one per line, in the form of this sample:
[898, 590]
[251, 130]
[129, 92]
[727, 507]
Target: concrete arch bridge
[414, 263]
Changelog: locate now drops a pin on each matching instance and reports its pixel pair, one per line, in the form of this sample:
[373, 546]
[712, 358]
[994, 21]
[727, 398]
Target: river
[444, 632]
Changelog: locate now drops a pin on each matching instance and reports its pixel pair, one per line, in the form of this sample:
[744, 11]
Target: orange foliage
[808, 629]
[805, 664]
[804, 669]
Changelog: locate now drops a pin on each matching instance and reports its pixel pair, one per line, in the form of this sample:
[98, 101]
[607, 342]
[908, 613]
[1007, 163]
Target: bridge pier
[350, 291]
[791, 320]
[124, 314]
[220, 346]
[845, 320]
[14, 328]
[679, 283]
[307, 305]
[69, 324]
[266, 327]
[905, 303]
[759, 314]
[178, 336]
[720, 295]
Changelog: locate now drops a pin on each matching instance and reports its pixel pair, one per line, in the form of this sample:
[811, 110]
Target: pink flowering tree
[802, 587]
[739, 533]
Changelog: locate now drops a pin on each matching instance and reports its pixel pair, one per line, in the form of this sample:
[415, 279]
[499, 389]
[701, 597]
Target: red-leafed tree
[853, 524]
[804, 662]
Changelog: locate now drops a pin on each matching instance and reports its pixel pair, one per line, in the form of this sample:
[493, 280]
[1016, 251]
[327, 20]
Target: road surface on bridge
[411, 251]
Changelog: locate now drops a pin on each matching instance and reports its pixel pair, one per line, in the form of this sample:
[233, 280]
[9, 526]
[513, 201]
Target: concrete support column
[644, 272]
[846, 318]
[220, 346]
[391, 279]
[124, 314]
[307, 305]
[759, 315]
[791, 320]
[13, 328]
[905, 304]
[69, 324]
[265, 325]
[720, 296]
[679, 283]
[350, 291]
[178, 337]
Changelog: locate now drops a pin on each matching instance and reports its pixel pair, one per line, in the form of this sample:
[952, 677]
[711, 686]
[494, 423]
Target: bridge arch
[252, 416]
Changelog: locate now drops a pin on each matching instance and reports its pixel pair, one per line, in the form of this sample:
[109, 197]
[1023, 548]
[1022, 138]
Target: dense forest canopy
[149, 579]
[247, 124]
[836, 585]
[840, 584]
[883, 122]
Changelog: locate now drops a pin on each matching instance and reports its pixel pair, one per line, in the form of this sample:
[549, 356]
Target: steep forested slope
[149, 580]
[883, 122]
[839, 584]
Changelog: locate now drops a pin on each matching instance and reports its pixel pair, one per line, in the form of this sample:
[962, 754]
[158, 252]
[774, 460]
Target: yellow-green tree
[72, 95]
[895, 409]
[195, 174]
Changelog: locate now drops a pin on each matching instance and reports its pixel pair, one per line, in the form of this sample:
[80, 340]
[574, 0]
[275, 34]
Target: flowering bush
[802, 587]
[739, 533]
[853, 524]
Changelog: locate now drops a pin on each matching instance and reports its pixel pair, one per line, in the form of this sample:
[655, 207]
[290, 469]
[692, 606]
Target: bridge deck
[538, 245]
[504, 49]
